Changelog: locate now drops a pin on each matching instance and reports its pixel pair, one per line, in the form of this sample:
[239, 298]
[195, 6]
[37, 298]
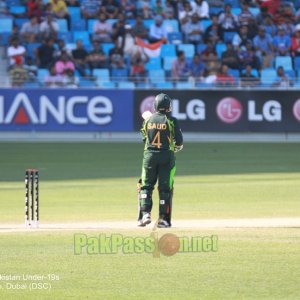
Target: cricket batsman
[162, 137]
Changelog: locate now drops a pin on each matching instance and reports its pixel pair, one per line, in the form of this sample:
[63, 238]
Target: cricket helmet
[162, 103]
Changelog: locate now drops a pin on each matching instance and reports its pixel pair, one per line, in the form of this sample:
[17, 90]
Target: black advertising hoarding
[228, 111]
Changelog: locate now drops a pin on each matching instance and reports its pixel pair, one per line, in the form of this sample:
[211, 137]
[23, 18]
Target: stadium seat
[236, 11]
[297, 63]
[233, 3]
[268, 76]
[126, 85]
[20, 21]
[41, 73]
[157, 76]
[4, 38]
[184, 85]
[78, 25]
[91, 25]
[17, 10]
[205, 24]
[31, 85]
[168, 62]
[153, 64]
[106, 84]
[228, 36]
[168, 50]
[148, 23]
[31, 49]
[254, 72]
[174, 38]
[112, 21]
[215, 10]
[86, 83]
[81, 35]
[106, 47]
[254, 11]
[101, 74]
[62, 25]
[235, 74]
[284, 61]
[74, 12]
[220, 48]
[164, 85]
[70, 47]
[200, 48]
[118, 75]
[66, 36]
[171, 25]
[11, 3]
[188, 49]
[6, 25]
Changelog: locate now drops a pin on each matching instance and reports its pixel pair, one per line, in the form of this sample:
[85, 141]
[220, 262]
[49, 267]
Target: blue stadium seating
[106, 47]
[206, 23]
[148, 23]
[118, 75]
[62, 25]
[200, 48]
[168, 50]
[254, 11]
[153, 64]
[31, 85]
[31, 49]
[106, 84]
[188, 49]
[228, 36]
[174, 38]
[4, 38]
[81, 35]
[78, 25]
[297, 63]
[17, 10]
[66, 36]
[220, 48]
[20, 21]
[268, 76]
[91, 25]
[101, 74]
[157, 76]
[168, 62]
[86, 83]
[171, 25]
[41, 73]
[184, 85]
[284, 61]
[236, 11]
[126, 85]
[6, 24]
[164, 85]
[74, 13]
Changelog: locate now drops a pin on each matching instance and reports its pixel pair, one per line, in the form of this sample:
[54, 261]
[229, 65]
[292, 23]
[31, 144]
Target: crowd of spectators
[233, 41]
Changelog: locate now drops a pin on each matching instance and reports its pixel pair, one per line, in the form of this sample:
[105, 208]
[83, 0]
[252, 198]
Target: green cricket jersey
[161, 132]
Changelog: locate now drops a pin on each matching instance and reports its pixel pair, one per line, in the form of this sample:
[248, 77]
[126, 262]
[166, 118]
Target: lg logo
[296, 110]
[229, 110]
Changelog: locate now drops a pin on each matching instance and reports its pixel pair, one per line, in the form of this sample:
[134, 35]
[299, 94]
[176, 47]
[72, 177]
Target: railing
[146, 83]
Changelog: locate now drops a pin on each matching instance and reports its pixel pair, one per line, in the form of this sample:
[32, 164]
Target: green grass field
[94, 182]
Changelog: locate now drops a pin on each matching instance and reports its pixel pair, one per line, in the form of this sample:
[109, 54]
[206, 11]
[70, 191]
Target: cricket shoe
[163, 224]
[146, 219]
[140, 223]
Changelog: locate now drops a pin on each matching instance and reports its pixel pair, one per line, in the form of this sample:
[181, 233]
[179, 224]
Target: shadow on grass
[66, 161]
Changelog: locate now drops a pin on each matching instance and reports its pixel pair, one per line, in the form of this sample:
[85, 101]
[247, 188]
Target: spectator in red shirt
[35, 8]
[223, 78]
[295, 47]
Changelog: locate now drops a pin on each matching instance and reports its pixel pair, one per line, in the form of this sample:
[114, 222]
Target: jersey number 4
[156, 141]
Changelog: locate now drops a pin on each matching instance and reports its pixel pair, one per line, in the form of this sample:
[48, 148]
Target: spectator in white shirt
[102, 30]
[30, 30]
[15, 50]
[157, 30]
[201, 8]
[49, 27]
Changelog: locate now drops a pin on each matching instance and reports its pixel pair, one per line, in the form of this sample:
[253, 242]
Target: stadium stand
[15, 16]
